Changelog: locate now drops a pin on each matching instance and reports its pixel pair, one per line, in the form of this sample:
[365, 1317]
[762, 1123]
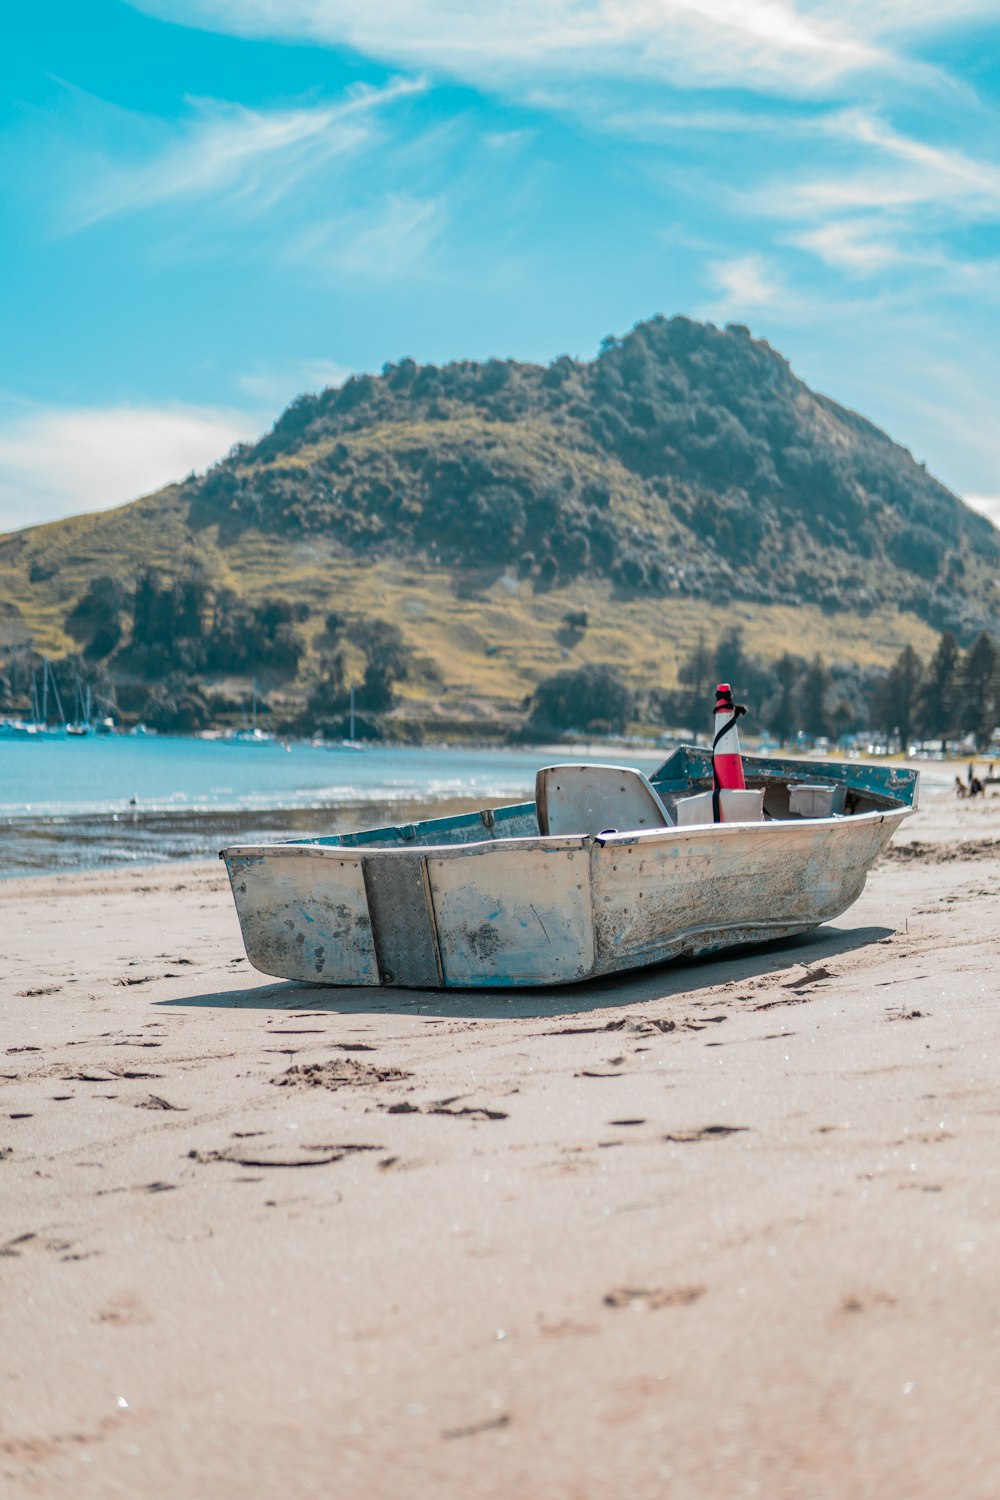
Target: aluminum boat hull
[485, 901]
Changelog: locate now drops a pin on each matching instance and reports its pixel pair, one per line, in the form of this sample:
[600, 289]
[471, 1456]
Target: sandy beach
[719, 1229]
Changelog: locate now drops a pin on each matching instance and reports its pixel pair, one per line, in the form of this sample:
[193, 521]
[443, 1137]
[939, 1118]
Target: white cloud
[746, 284]
[244, 159]
[855, 245]
[61, 461]
[787, 46]
[987, 505]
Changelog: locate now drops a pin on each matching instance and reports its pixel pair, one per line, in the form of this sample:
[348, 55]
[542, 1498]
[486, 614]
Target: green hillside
[467, 530]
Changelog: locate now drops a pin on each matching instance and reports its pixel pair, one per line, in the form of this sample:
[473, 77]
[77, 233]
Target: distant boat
[250, 734]
[38, 726]
[250, 737]
[81, 724]
[605, 871]
[351, 743]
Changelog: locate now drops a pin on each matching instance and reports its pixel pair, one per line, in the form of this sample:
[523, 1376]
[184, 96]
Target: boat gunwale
[572, 843]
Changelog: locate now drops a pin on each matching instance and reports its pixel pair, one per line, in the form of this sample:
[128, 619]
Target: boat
[351, 743]
[250, 734]
[602, 873]
[81, 725]
[38, 726]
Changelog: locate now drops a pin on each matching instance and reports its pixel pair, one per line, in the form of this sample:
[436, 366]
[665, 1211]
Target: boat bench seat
[595, 799]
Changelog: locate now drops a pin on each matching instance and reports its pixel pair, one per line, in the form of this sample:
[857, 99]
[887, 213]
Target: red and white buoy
[727, 762]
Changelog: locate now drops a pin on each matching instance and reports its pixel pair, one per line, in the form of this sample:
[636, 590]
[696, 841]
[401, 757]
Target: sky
[209, 206]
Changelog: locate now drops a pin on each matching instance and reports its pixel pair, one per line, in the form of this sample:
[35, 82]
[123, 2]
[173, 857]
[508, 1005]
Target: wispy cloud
[859, 246]
[60, 461]
[392, 236]
[746, 285]
[786, 46]
[895, 171]
[241, 159]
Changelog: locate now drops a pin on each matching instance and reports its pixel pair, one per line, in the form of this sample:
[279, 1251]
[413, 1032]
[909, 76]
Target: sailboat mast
[55, 693]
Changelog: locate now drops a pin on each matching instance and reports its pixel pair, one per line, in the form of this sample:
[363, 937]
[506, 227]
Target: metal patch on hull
[402, 917]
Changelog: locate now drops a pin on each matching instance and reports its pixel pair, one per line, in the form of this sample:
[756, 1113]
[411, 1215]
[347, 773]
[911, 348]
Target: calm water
[70, 804]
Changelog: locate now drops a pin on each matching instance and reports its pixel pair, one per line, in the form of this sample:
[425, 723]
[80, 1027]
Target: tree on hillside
[936, 701]
[978, 690]
[592, 697]
[96, 617]
[168, 620]
[782, 714]
[815, 685]
[895, 706]
[696, 673]
[730, 662]
[328, 696]
[388, 661]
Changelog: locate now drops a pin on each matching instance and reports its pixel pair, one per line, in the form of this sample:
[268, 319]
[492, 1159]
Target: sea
[102, 801]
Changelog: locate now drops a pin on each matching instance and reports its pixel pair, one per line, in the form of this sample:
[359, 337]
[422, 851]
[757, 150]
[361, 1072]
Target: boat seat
[594, 799]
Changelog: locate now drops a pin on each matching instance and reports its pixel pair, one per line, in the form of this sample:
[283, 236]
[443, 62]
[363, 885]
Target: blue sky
[211, 205]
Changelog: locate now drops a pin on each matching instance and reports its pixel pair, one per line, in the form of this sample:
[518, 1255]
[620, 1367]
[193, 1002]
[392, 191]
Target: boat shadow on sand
[674, 980]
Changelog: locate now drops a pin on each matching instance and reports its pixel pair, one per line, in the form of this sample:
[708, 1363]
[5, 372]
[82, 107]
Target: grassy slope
[448, 619]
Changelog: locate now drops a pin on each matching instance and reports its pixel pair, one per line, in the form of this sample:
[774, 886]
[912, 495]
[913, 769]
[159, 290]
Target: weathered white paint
[692, 890]
[537, 911]
[304, 913]
[591, 798]
[514, 916]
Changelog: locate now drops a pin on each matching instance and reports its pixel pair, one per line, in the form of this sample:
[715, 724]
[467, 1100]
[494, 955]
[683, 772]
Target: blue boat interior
[688, 770]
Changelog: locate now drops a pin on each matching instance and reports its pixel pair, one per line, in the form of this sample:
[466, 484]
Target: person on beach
[960, 787]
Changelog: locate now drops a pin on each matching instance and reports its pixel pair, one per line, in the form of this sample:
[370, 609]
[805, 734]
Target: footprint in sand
[266, 1155]
[489, 1424]
[653, 1297]
[444, 1107]
[706, 1133]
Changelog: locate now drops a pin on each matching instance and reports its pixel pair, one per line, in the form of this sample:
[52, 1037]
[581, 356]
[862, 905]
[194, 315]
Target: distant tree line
[952, 695]
[160, 638]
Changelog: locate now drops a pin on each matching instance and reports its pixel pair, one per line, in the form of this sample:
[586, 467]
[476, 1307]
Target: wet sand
[719, 1229]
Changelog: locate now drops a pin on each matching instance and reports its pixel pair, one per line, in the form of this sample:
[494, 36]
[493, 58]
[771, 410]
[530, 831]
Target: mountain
[685, 480]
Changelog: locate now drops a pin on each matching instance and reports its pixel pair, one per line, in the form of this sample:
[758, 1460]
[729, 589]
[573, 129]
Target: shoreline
[35, 844]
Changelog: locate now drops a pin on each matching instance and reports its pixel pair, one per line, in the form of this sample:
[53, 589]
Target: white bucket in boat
[806, 801]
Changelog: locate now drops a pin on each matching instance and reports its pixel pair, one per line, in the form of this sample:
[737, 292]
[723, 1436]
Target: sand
[720, 1229]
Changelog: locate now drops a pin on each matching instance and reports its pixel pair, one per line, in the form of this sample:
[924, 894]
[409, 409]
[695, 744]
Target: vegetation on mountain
[591, 699]
[447, 541]
[684, 459]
